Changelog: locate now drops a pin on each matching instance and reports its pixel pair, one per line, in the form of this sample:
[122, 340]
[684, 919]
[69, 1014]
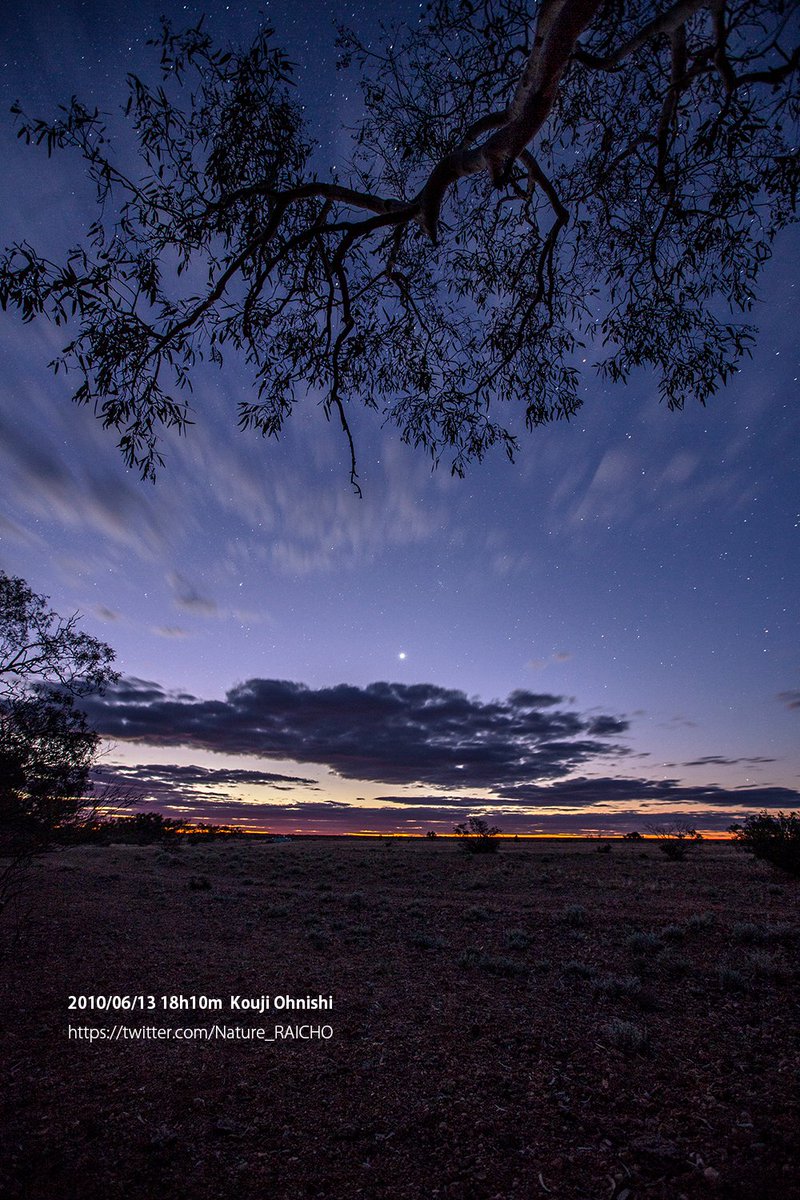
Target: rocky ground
[549, 1021]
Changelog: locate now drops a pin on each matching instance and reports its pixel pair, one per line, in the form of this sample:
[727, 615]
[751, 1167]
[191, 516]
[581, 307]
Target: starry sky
[600, 636]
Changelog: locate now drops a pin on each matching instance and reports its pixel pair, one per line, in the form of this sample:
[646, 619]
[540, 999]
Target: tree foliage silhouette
[477, 836]
[36, 644]
[46, 747]
[532, 186]
[46, 754]
[775, 838]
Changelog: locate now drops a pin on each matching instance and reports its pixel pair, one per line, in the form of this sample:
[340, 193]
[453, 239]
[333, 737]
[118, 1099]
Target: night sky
[597, 637]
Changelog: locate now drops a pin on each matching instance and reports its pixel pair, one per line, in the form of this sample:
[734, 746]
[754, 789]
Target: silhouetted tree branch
[37, 644]
[527, 180]
[46, 746]
[46, 752]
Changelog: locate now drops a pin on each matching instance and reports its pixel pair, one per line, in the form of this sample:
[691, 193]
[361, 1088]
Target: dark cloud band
[391, 733]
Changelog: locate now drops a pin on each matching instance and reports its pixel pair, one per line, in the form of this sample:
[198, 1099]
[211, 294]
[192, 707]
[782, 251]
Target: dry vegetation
[546, 1021]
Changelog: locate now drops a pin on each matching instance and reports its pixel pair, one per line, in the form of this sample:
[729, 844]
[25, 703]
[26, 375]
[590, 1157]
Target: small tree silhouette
[46, 746]
[477, 836]
[775, 839]
[676, 839]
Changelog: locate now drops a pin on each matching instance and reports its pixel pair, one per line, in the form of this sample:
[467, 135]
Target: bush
[731, 979]
[760, 964]
[518, 939]
[575, 916]
[747, 933]
[147, 828]
[580, 970]
[506, 968]
[645, 943]
[477, 836]
[46, 753]
[426, 941]
[47, 749]
[676, 840]
[626, 1036]
[616, 986]
[698, 922]
[143, 828]
[775, 839]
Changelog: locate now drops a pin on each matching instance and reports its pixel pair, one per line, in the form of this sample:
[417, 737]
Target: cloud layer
[588, 793]
[196, 790]
[520, 750]
[386, 732]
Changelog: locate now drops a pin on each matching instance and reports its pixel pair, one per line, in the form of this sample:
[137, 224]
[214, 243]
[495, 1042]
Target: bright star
[402, 655]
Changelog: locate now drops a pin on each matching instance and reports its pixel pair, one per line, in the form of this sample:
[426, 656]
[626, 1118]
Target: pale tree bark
[640, 158]
[558, 27]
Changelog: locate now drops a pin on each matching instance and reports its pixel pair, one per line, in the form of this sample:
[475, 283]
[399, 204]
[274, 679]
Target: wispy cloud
[189, 598]
[539, 664]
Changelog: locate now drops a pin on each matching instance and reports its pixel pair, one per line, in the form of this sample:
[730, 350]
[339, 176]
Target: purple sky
[601, 635]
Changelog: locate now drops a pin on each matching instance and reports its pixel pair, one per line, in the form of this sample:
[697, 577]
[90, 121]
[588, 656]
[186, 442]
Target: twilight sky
[601, 635]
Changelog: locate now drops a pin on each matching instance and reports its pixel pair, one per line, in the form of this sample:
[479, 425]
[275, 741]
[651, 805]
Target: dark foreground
[552, 1021]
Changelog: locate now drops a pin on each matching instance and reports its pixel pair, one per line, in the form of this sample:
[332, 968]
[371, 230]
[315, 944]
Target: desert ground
[547, 1021]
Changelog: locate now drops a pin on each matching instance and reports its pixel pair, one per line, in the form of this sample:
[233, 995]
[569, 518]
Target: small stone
[711, 1176]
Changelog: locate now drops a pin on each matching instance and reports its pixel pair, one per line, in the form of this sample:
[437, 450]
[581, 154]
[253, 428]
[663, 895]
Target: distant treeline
[143, 828]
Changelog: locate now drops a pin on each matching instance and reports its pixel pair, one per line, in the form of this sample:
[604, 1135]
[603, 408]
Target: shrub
[615, 986]
[576, 916]
[676, 840]
[750, 934]
[626, 1036]
[517, 939]
[206, 831]
[642, 943]
[477, 836]
[698, 922]
[633, 836]
[47, 748]
[580, 970]
[731, 978]
[775, 839]
[760, 964]
[426, 941]
[507, 968]
[673, 933]
[144, 828]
